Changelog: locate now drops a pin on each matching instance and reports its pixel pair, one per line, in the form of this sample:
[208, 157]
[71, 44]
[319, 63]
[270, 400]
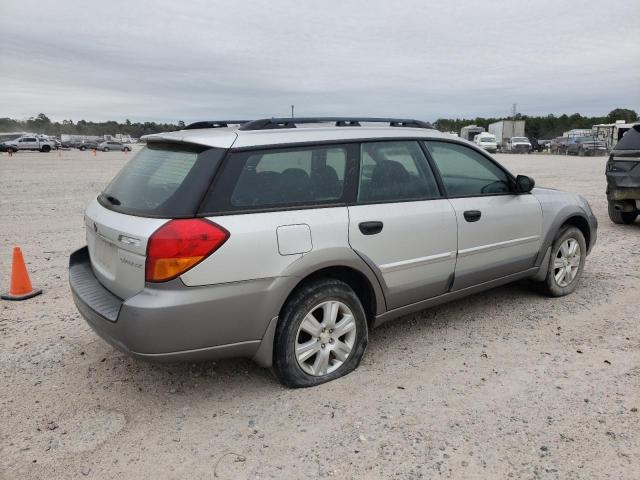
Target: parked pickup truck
[30, 143]
[586, 146]
[518, 145]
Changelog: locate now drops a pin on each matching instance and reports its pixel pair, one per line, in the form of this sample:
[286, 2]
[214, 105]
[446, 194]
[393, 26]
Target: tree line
[43, 124]
[546, 127]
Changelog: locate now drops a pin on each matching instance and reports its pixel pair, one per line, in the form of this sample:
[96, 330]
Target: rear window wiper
[112, 200]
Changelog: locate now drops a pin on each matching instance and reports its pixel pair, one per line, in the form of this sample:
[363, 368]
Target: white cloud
[167, 60]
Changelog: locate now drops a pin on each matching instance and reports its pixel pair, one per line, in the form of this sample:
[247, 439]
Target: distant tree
[625, 114]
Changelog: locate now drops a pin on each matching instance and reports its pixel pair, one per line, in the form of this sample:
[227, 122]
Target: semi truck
[505, 130]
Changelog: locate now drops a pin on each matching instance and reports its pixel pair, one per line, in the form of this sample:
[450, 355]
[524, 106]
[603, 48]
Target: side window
[395, 171]
[466, 172]
[291, 176]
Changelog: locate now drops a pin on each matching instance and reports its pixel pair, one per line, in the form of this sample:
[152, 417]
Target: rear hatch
[164, 181]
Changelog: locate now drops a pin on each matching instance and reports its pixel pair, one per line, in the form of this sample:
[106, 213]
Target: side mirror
[524, 184]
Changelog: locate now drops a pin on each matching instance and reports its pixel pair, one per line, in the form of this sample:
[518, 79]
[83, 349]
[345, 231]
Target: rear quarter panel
[252, 250]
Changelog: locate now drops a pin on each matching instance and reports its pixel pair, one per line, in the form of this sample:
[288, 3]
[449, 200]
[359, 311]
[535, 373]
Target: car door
[401, 225]
[27, 143]
[499, 231]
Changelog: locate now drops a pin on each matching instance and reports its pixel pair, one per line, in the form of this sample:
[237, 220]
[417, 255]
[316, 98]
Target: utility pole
[292, 107]
[513, 123]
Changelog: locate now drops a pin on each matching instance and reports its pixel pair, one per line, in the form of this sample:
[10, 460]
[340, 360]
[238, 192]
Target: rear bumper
[172, 322]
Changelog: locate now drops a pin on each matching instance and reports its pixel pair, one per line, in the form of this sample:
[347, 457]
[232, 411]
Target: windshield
[520, 139]
[487, 139]
[163, 180]
[586, 139]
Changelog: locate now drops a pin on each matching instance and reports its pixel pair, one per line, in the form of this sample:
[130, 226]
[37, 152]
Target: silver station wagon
[287, 240]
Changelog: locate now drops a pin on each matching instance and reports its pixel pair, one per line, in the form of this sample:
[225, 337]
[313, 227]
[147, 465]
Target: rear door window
[395, 171]
[165, 180]
[301, 176]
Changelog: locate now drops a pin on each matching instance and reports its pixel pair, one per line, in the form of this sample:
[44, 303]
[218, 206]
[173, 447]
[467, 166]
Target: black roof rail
[271, 123]
[214, 124]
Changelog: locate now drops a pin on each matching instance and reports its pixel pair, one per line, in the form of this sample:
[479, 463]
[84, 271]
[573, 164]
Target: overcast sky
[192, 60]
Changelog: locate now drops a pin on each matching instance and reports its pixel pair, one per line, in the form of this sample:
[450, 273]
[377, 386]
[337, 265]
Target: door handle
[472, 215]
[370, 228]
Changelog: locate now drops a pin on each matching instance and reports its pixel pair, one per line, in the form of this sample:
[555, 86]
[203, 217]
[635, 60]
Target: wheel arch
[337, 263]
[358, 282]
[567, 216]
[582, 224]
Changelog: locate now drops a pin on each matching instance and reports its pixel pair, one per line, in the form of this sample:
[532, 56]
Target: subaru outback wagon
[287, 241]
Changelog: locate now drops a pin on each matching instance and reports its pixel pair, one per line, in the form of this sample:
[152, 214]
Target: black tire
[126, 149]
[105, 149]
[45, 148]
[550, 285]
[302, 302]
[620, 217]
[82, 149]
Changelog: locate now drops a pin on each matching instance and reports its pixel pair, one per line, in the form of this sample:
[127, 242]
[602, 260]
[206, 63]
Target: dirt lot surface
[507, 383]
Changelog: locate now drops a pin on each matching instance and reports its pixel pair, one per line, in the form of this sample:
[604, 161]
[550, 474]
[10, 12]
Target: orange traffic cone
[21, 288]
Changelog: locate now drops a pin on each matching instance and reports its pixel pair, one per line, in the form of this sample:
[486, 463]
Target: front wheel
[105, 149]
[620, 217]
[321, 334]
[568, 254]
[45, 149]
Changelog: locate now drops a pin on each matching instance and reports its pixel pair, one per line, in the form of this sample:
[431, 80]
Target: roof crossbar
[214, 124]
[271, 123]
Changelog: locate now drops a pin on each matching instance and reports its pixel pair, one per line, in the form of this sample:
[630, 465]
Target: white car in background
[518, 145]
[488, 141]
[40, 143]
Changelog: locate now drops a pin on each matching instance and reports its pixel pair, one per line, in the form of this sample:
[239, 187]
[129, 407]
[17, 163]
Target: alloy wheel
[567, 262]
[325, 338]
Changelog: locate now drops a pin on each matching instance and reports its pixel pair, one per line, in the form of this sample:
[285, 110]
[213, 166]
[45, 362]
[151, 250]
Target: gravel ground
[506, 383]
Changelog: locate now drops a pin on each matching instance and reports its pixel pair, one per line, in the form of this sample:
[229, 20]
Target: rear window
[163, 180]
[279, 178]
[630, 140]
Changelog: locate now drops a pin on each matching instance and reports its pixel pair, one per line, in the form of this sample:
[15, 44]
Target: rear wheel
[321, 334]
[620, 217]
[568, 254]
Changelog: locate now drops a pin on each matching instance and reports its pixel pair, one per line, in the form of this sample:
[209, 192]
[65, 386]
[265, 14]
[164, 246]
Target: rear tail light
[179, 245]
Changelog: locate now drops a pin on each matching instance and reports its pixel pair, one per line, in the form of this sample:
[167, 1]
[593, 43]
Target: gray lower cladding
[172, 322]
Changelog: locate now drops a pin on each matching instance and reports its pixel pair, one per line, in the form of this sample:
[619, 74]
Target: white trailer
[504, 130]
[577, 132]
[611, 132]
[470, 131]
